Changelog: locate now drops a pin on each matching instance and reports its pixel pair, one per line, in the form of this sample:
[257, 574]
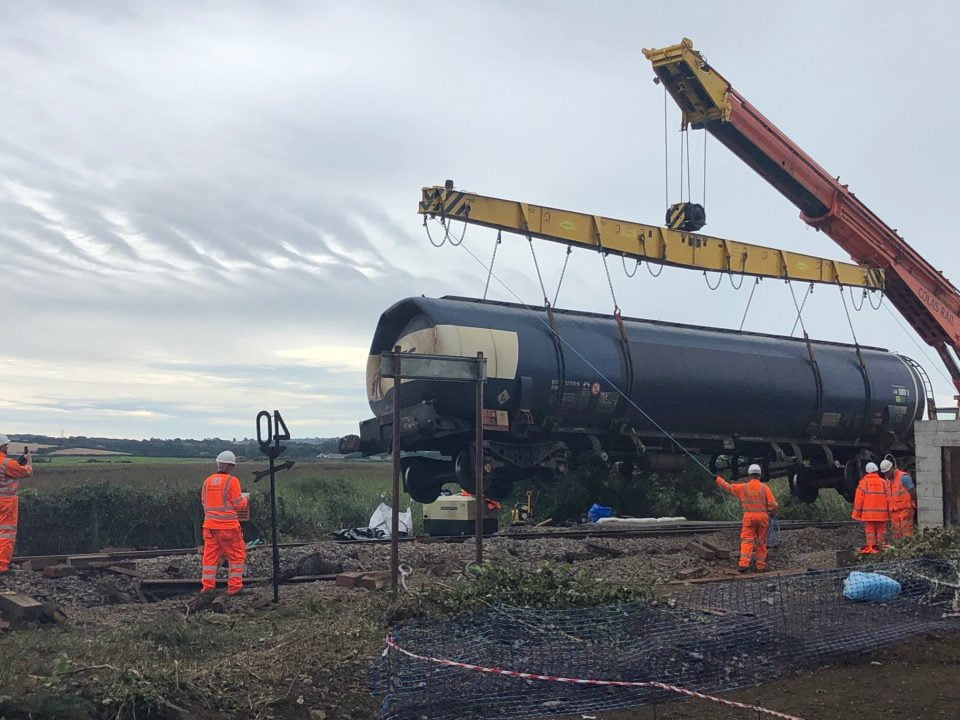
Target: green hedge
[86, 518]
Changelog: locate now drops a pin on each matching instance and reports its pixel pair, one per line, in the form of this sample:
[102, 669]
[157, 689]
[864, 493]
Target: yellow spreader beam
[642, 242]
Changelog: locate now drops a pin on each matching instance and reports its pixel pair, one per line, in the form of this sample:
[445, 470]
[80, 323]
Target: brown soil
[917, 679]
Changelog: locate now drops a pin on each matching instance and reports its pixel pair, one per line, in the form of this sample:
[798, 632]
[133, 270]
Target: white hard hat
[4, 440]
[753, 469]
[226, 458]
[886, 466]
[871, 467]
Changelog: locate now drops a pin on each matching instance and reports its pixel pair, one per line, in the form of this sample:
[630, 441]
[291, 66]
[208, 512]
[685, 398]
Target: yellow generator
[456, 515]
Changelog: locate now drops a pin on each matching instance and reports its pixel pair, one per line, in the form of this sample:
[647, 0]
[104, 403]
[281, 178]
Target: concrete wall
[931, 436]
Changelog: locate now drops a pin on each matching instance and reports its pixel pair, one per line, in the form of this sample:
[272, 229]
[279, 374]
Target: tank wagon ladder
[927, 386]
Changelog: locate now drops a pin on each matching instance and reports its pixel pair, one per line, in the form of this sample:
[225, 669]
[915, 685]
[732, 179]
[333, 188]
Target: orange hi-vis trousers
[9, 512]
[753, 537]
[901, 523]
[216, 545]
[876, 535]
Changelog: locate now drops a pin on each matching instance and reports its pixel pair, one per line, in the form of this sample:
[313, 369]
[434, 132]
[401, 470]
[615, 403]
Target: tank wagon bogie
[810, 411]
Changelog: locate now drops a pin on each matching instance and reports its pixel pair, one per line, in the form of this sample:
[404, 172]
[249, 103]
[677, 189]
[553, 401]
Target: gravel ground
[641, 560]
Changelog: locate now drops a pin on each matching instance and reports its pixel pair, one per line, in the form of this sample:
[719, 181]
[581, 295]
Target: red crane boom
[925, 298]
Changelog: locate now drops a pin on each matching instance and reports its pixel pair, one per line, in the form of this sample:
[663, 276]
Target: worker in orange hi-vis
[222, 535]
[758, 504]
[871, 506]
[11, 472]
[903, 500]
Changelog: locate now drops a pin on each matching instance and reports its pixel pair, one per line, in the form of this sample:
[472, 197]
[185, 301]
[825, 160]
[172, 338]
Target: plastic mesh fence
[711, 639]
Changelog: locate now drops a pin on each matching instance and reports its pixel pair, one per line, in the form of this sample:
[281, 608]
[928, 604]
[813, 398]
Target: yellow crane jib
[640, 241]
[699, 90]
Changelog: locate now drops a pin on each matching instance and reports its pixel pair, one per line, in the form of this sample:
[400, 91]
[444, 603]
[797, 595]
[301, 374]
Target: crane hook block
[687, 216]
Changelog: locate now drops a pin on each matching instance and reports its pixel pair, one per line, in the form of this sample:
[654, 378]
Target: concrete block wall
[931, 436]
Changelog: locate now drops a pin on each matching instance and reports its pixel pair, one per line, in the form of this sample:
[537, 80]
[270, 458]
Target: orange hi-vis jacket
[10, 474]
[754, 496]
[872, 501]
[221, 499]
[899, 495]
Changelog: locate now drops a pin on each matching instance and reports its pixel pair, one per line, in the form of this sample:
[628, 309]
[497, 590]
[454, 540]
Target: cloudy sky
[204, 207]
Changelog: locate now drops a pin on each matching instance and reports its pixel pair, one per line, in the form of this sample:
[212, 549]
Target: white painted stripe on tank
[501, 348]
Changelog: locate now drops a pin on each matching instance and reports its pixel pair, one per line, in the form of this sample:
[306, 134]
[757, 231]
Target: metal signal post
[268, 438]
[419, 366]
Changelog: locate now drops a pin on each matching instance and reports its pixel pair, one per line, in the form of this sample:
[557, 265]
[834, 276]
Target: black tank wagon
[809, 411]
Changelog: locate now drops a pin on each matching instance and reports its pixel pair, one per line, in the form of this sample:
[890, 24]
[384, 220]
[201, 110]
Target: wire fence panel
[711, 638]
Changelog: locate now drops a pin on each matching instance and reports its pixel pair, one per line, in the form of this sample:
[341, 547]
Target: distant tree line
[181, 447]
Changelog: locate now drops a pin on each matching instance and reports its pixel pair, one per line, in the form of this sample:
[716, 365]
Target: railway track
[596, 531]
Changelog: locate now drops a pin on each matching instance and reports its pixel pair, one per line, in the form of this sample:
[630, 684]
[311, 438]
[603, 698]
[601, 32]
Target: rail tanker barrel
[717, 389]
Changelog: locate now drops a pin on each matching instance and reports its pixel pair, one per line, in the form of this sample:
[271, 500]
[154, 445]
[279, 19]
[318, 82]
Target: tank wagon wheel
[421, 480]
[852, 472]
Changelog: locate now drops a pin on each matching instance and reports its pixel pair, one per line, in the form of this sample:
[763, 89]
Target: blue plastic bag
[599, 511]
[773, 533]
[870, 587]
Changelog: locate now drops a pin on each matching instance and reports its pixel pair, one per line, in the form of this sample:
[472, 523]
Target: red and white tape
[581, 681]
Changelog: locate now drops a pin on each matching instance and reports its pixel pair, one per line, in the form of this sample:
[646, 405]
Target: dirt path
[918, 679]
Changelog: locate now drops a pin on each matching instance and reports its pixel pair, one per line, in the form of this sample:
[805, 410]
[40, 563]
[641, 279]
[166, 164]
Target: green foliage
[829, 505]
[640, 494]
[142, 506]
[547, 586]
[690, 493]
[936, 543]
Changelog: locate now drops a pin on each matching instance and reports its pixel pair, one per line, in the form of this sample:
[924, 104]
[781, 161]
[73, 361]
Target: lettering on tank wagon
[900, 394]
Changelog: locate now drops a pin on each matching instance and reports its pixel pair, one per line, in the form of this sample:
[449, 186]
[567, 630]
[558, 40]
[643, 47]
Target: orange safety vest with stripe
[899, 495]
[10, 473]
[872, 501]
[754, 496]
[221, 499]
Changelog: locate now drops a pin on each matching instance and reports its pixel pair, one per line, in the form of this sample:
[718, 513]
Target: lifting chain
[617, 315]
[799, 310]
[563, 271]
[643, 247]
[536, 265]
[707, 279]
[493, 259]
[802, 306]
[843, 299]
[446, 233]
[853, 302]
[743, 258]
[749, 300]
[543, 289]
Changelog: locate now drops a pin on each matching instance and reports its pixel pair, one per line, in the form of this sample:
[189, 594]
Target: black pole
[395, 498]
[273, 523]
[478, 462]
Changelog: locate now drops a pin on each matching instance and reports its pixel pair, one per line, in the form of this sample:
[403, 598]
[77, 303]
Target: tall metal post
[273, 524]
[395, 510]
[478, 462]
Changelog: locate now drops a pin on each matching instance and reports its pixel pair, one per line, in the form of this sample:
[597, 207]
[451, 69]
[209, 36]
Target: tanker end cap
[754, 470]
[871, 467]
